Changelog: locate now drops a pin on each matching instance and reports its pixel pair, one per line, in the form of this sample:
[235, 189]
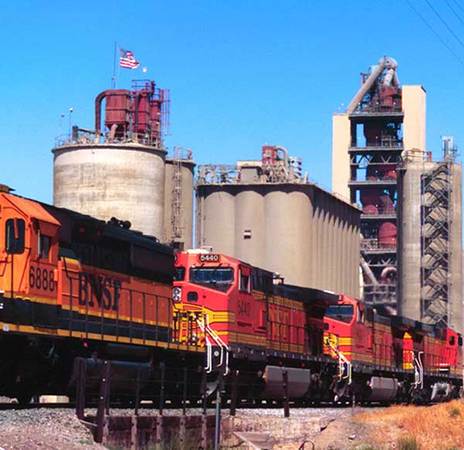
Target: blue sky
[241, 73]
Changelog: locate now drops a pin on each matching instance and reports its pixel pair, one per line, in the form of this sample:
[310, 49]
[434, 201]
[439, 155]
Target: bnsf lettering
[42, 279]
[98, 290]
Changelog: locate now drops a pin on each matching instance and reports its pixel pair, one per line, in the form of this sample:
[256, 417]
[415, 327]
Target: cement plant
[164, 301]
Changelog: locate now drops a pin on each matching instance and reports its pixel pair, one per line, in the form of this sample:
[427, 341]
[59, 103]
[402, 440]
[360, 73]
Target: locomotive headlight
[177, 294]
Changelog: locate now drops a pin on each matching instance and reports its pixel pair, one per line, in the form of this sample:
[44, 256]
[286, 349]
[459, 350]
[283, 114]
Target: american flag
[127, 59]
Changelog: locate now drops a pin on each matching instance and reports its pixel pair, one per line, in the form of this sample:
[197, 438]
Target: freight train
[331, 347]
[76, 288]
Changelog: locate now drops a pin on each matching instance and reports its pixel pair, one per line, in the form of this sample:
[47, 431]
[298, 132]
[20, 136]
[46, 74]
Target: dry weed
[437, 427]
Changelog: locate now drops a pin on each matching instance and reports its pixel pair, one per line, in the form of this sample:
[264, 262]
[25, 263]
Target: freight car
[74, 287]
[330, 347]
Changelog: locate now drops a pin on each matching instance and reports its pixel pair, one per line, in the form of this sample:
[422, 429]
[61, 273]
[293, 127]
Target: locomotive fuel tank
[383, 389]
[121, 376]
[298, 381]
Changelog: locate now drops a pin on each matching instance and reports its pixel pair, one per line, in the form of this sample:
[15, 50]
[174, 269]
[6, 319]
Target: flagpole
[113, 79]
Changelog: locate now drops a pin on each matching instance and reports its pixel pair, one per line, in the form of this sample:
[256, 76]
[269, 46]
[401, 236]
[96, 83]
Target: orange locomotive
[330, 346]
[391, 358]
[73, 286]
[252, 325]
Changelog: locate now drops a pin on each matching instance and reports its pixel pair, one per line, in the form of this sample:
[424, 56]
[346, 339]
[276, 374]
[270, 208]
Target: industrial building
[267, 213]
[121, 169]
[382, 120]
[430, 237]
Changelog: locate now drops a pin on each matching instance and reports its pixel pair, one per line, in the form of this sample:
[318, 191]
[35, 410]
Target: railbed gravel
[52, 429]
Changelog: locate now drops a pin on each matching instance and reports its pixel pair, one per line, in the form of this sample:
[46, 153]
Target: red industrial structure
[376, 118]
[139, 115]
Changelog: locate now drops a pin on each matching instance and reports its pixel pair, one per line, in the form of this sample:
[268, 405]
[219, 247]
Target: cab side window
[245, 281]
[360, 313]
[15, 231]
[44, 245]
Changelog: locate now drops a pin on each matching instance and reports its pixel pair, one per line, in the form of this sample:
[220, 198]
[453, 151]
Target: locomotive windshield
[343, 313]
[219, 278]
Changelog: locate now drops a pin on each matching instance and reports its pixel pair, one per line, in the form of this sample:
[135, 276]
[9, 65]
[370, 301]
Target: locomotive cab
[29, 257]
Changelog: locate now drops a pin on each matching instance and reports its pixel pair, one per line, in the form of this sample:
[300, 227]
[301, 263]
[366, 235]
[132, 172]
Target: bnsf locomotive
[331, 347]
[72, 286]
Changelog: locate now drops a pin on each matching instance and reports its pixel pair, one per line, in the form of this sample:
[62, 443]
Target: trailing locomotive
[72, 286]
[331, 347]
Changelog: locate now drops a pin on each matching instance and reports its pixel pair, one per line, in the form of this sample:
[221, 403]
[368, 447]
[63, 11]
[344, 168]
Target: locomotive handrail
[224, 349]
[418, 369]
[343, 363]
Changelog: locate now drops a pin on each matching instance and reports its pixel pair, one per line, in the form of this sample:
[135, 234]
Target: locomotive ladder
[418, 370]
[215, 348]
[345, 368]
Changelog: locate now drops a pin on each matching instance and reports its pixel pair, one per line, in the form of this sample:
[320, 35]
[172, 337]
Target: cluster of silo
[430, 240]
[307, 235]
[123, 172]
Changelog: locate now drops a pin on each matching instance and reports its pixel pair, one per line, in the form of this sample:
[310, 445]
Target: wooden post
[161, 400]
[134, 441]
[102, 401]
[234, 393]
[285, 388]
[182, 431]
[81, 384]
[137, 393]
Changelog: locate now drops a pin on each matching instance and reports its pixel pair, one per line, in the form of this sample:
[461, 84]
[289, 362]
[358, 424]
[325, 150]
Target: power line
[445, 23]
[435, 33]
[454, 12]
[459, 5]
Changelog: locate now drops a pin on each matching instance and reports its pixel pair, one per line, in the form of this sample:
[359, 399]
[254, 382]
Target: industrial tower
[382, 120]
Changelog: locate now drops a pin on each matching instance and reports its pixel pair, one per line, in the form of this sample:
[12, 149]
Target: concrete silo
[125, 181]
[266, 213]
[430, 240]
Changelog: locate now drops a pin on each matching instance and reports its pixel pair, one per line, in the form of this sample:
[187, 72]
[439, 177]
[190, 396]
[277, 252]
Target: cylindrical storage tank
[249, 226]
[387, 234]
[142, 112]
[288, 234]
[125, 181]
[180, 235]
[409, 248]
[117, 107]
[215, 224]
[456, 315]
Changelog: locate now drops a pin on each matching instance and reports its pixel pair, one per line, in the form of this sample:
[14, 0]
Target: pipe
[384, 62]
[368, 272]
[98, 101]
[387, 271]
